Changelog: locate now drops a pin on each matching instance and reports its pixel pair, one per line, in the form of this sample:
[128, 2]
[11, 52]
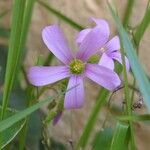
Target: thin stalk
[60, 15]
[128, 99]
[143, 26]
[101, 99]
[48, 59]
[128, 12]
[25, 28]
[23, 132]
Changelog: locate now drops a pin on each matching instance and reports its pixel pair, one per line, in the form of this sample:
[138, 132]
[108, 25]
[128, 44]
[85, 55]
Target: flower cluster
[92, 41]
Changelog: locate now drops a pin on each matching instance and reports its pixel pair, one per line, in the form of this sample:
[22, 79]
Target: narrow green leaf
[4, 124]
[9, 134]
[119, 138]
[142, 27]
[60, 15]
[138, 71]
[101, 99]
[14, 51]
[22, 114]
[128, 12]
[103, 139]
[145, 117]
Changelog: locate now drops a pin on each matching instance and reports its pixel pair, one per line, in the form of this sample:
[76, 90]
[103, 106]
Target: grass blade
[118, 141]
[4, 124]
[138, 71]
[142, 27]
[9, 134]
[103, 139]
[60, 15]
[145, 117]
[128, 12]
[17, 20]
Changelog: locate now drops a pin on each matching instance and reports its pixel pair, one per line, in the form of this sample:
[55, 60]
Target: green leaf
[138, 71]
[22, 114]
[128, 12]
[14, 51]
[34, 132]
[4, 124]
[142, 27]
[60, 15]
[103, 139]
[3, 57]
[145, 117]
[119, 138]
[10, 133]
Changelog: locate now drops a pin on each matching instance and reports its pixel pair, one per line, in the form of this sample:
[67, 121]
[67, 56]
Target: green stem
[128, 100]
[48, 59]
[143, 26]
[25, 28]
[60, 15]
[128, 12]
[23, 132]
[101, 99]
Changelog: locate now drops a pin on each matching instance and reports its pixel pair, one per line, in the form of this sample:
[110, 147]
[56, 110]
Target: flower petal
[39, 75]
[106, 61]
[74, 98]
[102, 24]
[113, 45]
[82, 34]
[117, 56]
[103, 76]
[92, 42]
[54, 39]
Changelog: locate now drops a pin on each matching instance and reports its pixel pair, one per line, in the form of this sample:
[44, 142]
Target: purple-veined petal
[102, 24]
[117, 56]
[82, 34]
[106, 61]
[92, 42]
[74, 98]
[113, 45]
[57, 118]
[103, 76]
[42, 75]
[54, 39]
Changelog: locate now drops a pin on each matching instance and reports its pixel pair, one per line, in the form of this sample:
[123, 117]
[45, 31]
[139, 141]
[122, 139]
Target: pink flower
[75, 68]
[109, 51]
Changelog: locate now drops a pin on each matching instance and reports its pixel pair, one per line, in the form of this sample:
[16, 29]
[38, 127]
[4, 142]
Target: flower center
[76, 66]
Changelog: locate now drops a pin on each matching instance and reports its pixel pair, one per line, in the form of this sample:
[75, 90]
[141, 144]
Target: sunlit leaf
[119, 137]
[102, 139]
